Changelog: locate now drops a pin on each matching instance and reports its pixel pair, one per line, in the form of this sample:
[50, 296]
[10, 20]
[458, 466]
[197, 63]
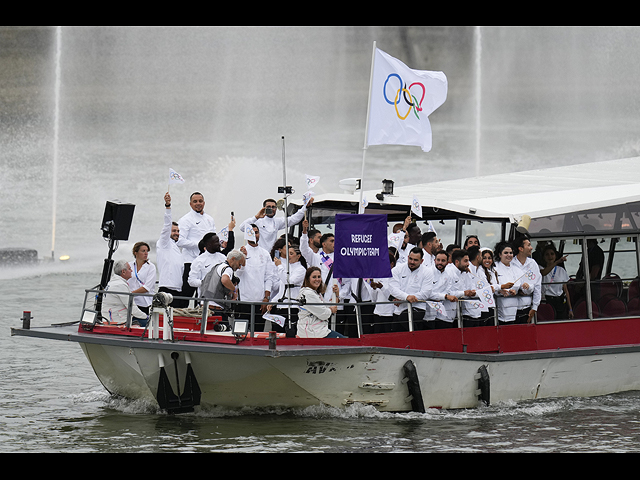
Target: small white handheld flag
[401, 101]
[311, 181]
[175, 177]
[249, 234]
[396, 239]
[363, 204]
[279, 319]
[223, 234]
[416, 208]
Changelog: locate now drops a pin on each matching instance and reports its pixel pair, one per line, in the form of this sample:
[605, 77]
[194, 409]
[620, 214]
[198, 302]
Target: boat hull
[342, 376]
[300, 373]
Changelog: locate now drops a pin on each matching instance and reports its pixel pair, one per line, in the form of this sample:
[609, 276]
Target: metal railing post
[410, 316]
[205, 315]
[359, 319]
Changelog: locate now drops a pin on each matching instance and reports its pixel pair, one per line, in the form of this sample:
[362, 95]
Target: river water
[213, 104]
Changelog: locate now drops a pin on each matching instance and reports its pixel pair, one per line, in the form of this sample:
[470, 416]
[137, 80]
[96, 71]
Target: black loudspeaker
[116, 222]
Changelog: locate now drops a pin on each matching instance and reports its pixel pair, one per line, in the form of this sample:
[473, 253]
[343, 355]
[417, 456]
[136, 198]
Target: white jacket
[270, 226]
[193, 227]
[507, 306]
[145, 277]
[313, 320]
[169, 257]
[202, 265]
[256, 276]
[114, 307]
[405, 282]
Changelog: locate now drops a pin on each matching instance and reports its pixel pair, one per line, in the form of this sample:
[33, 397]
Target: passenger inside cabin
[595, 257]
[554, 283]
[472, 240]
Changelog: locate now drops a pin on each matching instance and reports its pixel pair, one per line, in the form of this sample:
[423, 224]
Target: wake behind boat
[181, 362]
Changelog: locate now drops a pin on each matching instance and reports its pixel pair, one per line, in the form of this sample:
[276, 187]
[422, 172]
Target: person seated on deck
[114, 306]
[313, 320]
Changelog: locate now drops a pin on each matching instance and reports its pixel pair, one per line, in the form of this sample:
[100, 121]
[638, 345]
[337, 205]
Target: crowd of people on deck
[302, 298]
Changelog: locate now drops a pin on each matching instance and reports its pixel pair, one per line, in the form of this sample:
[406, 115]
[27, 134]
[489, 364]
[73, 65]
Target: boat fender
[413, 384]
[484, 385]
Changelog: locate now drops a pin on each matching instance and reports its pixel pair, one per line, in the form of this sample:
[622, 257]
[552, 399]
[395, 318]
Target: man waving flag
[401, 101]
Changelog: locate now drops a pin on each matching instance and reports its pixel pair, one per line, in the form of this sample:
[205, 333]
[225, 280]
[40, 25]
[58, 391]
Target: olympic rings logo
[477, 305]
[488, 297]
[414, 105]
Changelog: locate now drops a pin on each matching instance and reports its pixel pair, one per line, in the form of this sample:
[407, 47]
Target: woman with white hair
[114, 306]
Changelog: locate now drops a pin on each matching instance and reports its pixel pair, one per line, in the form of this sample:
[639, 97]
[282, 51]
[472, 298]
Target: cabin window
[444, 228]
[611, 282]
[324, 219]
[489, 233]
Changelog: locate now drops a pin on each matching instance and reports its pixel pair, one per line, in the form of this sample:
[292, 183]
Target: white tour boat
[597, 352]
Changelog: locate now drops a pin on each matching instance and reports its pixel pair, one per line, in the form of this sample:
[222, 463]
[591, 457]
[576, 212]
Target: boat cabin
[589, 212]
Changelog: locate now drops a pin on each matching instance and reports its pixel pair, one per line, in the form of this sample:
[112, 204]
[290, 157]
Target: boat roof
[537, 193]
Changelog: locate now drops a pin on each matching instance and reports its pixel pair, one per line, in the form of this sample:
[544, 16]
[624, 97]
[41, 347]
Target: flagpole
[286, 233]
[366, 130]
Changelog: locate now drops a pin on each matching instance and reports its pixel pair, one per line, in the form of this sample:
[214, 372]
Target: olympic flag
[400, 102]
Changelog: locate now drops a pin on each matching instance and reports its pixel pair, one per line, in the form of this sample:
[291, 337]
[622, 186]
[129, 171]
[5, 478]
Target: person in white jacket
[287, 293]
[269, 225]
[193, 226]
[256, 280]
[169, 258]
[114, 306]
[528, 299]
[410, 281]
[143, 275]
[510, 279]
[441, 291]
[313, 320]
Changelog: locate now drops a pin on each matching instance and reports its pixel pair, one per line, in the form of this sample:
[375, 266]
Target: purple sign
[361, 247]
